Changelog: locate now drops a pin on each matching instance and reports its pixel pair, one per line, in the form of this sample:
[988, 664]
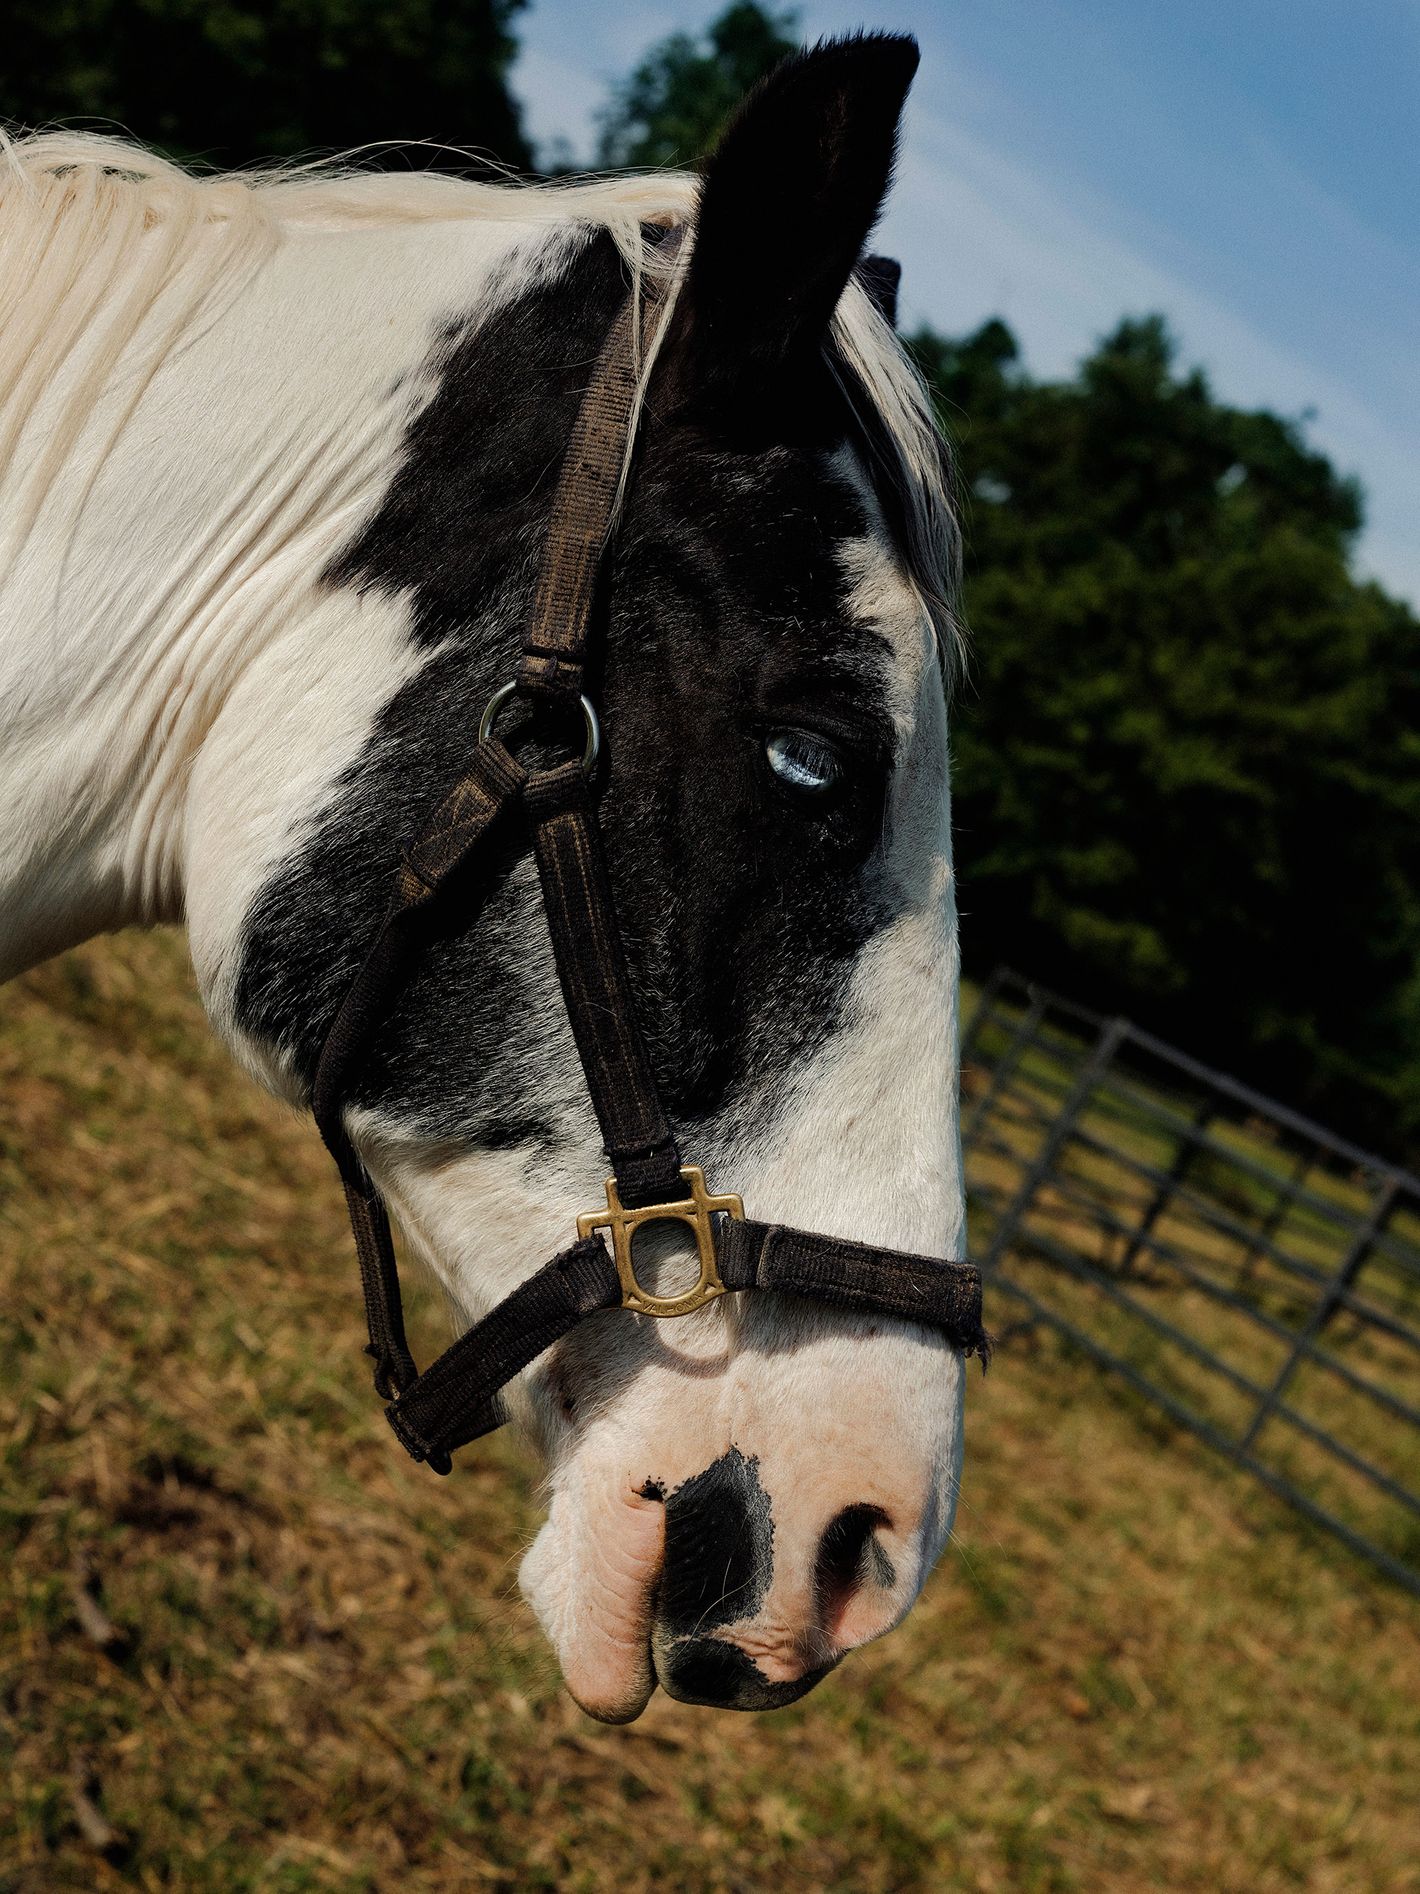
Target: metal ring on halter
[589, 718]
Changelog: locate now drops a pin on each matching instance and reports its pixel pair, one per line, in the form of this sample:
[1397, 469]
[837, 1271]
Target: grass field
[245, 1644]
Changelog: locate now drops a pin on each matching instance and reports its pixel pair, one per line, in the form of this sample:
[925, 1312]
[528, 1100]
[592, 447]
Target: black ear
[790, 195]
[881, 276]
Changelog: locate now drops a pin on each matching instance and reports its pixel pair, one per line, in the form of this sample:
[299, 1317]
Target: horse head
[358, 448]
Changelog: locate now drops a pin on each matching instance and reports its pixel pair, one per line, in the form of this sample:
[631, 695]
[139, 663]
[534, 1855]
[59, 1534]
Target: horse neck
[162, 609]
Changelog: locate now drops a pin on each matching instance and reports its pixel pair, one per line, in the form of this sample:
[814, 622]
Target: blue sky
[1249, 167]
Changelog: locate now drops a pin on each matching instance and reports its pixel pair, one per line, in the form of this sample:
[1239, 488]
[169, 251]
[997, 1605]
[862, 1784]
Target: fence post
[1055, 1138]
[1187, 1150]
[978, 1019]
[1276, 1216]
[1327, 1303]
[1005, 1066]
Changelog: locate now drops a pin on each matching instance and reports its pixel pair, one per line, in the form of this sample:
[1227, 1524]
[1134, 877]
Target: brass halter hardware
[696, 1210]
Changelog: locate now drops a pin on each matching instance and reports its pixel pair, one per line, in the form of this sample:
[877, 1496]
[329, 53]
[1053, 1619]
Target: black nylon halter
[457, 1398]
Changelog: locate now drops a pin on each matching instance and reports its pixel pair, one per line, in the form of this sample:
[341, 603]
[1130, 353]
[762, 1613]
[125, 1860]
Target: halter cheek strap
[457, 1398]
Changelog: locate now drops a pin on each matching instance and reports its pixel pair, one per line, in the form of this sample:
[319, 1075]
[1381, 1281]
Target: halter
[458, 1398]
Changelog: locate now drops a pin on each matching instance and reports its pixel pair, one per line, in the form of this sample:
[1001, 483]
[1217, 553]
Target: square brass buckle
[696, 1210]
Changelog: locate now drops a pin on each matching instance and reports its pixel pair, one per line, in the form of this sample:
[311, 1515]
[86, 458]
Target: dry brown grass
[240, 1629]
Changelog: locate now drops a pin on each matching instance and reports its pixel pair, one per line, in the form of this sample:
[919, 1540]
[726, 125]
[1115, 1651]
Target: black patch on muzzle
[718, 1566]
[719, 1549]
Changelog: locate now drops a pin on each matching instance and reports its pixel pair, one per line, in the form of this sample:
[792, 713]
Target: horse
[277, 453]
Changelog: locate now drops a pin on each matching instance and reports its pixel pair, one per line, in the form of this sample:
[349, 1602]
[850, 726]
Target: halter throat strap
[458, 1398]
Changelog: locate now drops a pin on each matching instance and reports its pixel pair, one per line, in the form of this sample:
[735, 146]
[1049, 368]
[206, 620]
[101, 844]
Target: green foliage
[235, 80]
[1188, 775]
[678, 100]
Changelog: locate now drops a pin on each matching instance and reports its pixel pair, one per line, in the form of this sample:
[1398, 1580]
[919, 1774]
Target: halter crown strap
[458, 1398]
[555, 642]
[467, 815]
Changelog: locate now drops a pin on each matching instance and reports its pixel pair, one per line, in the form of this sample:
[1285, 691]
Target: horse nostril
[849, 1556]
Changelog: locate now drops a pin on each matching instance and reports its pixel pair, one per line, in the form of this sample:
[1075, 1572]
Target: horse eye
[804, 762]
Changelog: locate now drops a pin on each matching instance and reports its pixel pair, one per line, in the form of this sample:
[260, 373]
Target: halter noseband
[457, 1398]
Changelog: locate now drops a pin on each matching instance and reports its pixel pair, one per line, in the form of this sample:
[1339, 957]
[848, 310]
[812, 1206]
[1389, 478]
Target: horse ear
[881, 277]
[790, 195]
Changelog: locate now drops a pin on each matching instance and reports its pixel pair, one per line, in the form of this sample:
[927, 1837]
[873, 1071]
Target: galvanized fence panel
[1247, 1271]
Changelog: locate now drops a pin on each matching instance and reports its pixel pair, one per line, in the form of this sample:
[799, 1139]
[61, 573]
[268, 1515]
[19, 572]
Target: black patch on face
[725, 618]
[719, 1549]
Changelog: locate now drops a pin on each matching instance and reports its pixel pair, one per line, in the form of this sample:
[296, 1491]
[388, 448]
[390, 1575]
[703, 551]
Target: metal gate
[1239, 1266]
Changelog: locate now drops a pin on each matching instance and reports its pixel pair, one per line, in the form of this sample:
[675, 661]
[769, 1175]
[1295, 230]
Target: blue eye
[804, 762]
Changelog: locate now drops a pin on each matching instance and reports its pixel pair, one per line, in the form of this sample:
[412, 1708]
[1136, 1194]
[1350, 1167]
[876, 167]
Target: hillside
[1133, 1670]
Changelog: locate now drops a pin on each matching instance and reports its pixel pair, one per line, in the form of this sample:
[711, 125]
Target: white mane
[110, 256]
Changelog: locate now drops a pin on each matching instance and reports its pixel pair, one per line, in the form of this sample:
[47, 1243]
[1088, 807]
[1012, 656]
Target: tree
[679, 99]
[1188, 776]
[234, 80]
